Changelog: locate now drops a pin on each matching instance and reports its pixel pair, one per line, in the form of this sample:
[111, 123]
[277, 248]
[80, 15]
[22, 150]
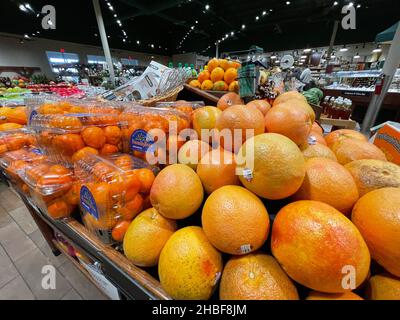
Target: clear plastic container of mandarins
[114, 189]
[66, 138]
[12, 140]
[53, 188]
[187, 107]
[152, 132]
[15, 162]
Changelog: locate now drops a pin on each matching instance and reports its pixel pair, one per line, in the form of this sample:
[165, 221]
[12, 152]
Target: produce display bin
[112, 191]
[66, 138]
[53, 188]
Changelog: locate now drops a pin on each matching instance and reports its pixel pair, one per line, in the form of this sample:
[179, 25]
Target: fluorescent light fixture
[343, 49]
[303, 57]
[277, 61]
[273, 57]
[333, 56]
[356, 56]
[377, 50]
[307, 50]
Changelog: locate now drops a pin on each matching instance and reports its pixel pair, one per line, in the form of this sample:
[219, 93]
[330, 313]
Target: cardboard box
[387, 138]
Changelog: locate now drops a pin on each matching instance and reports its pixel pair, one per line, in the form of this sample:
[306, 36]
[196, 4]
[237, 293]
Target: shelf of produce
[133, 282]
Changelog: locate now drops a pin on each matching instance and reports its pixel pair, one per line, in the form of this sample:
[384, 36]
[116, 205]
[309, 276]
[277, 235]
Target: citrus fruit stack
[12, 118]
[219, 75]
[16, 139]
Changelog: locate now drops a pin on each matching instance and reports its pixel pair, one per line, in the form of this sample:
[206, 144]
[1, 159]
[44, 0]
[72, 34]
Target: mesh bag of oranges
[66, 138]
[114, 189]
[15, 162]
[16, 139]
[149, 128]
[53, 188]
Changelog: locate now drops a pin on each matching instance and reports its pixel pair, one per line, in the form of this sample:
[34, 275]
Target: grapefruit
[228, 100]
[329, 182]
[290, 95]
[314, 243]
[176, 192]
[217, 168]
[337, 135]
[273, 166]
[317, 128]
[255, 276]
[348, 150]
[317, 150]
[189, 267]
[192, 152]
[377, 216]
[383, 287]
[261, 105]
[314, 295]
[235, 220]
[372, 174]
[290, 121]
[146, 236]
[238, 121]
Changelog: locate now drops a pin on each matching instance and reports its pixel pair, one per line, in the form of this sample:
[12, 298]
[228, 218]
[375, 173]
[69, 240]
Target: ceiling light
[196, 22]
[333, 56]
[50, 22]
[273, 57]
[356, 56]
[359, 6]
[277, 61]
[152, 45]
[344, 49]
[227, 35]
[377, 50]
[335, 3]
[243, 26]
[270, 10]
[287, 2]
[123, 40]
[306, 50]
[115, 15]
[350, 4]
[207, 6]
[22, 8]
[111, 8]
[28, 6]
[257, 18]
[303, 57]
[118, 21]
[26, 36]
[192, 27]
[264, 13]
[232, 33]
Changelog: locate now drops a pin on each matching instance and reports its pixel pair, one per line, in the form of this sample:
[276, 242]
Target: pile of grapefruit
[218, 75]
[289, 213]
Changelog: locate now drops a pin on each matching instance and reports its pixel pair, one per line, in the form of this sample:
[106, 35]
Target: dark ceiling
[164, 23]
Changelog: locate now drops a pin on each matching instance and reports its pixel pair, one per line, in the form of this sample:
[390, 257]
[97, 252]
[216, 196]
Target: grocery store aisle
[24, 252]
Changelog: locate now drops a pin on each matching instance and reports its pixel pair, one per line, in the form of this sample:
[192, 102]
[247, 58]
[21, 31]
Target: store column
[389, 68]
[104, 40]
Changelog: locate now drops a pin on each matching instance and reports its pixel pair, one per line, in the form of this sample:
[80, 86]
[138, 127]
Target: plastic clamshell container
[53, 188]
[12, 140]
[14, 116]
[142, 120]
[110, 192]
[188, 107]
[65, 138]
[15, 162]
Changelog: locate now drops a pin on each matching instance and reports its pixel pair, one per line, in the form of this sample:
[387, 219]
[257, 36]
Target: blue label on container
[33, 113]
[37, 151]
[88, 203]
[140, 141]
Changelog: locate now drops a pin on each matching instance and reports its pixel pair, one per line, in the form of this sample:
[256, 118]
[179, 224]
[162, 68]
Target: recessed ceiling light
[335, 3]
[232, 33]
[287, 2]
[350, 4]
[26, 36]
[22, 8]
[257, 18]
[359, 6]
[207, 6]
[264, 13]
[243, 26]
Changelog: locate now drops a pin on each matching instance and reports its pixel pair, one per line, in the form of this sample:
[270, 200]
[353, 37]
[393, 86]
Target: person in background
[307, 79]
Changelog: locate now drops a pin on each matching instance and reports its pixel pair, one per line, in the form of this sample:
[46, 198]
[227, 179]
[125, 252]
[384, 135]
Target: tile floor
[23, 253]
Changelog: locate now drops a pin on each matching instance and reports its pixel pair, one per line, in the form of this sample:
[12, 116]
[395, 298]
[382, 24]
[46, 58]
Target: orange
[235, 64]
[229, 99]
[65, 122]
[113, 134]
[383, 287]
[59, 209]
[94, 137]
[132, 208]
[235, 220]
[224, 64]
[118, 232]
[278, 168]
[146, 178]
[329, 182]
[108, 149]
[207, 85]
[315, 137]
[217, 74]
[10, 126]
[189, 267]
[290, 121]
[195, 84]
[82, 153]
[317, 150]
[314, 243]
[17, 115]
[372, 174]
[192, 152]
[290, 95]
[317, 128]
[234, 87]
[377, 216]
[105, 222]
[68, 144]
[102, 171]
[49, 108]
[58, 169]
[238, 121]
[146, 236]
[217, 168]
[314, 295]
[124, 162]
[255, 276]
[212, 64]
[297, 103]
[177, 192]
[348, 150]
[337, 135]
[261, 105]
[203, 76]
[230, 75]
[220, 86]
[72, 197]
[205, 118]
